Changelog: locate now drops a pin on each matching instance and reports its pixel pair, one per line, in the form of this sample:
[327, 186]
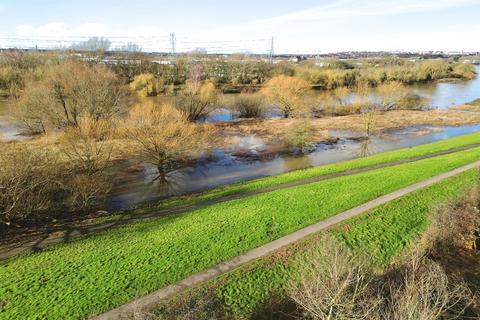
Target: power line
[159, 43]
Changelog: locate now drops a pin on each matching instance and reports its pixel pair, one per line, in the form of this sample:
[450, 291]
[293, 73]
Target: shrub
[86, 148]
[31, 181]
[41, 179]
[412, 101]
[335, 284]
[197, 100]
[162, 136]
[389, 95]
[88, 189]
[249, 105]
[146, 85]
[11, 81]
[419, 289]
[464, 71]
[287, 93]
[66, 93]
[300, 135]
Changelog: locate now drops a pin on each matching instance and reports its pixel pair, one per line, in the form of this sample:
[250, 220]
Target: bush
[249, 105]
[66, 93]
[464, 71]
[300, 135]
[161, 135]
[287, 93]
[86, 147]
[11, 81]
[31, 181]
[335, 284]
[412, 101]
[146, 85]
[197, 100]
[41, 179]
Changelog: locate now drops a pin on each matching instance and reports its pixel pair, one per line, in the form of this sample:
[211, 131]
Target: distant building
[164, 62]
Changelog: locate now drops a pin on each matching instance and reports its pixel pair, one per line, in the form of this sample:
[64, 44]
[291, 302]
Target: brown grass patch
[274, 130]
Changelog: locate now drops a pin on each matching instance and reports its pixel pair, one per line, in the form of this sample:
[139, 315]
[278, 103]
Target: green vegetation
[418, 151]
[381, 234]
[112, 267]
[300, 135]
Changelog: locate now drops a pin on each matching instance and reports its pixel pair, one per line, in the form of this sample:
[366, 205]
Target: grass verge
[94, 274]
[380, 234]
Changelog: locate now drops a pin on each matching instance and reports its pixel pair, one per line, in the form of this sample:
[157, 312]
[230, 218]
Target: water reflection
[437, 95]
[365, 148]
[295, 163]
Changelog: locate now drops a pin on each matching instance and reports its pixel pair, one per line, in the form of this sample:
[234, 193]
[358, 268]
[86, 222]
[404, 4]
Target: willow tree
[288, 93]
[66, 92]
[163, 136]
[197, 99]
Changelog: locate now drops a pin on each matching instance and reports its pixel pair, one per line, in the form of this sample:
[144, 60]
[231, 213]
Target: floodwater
[445, 95]
[8, 130]
[135, 184]
[139, 186]
[437, 95]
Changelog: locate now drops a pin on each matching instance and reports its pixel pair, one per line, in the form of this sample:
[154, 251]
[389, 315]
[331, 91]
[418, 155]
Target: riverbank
[111, 268]
[473, 106]
[33, 237]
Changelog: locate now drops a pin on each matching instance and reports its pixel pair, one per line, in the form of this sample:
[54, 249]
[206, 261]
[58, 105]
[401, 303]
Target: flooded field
[136, 184]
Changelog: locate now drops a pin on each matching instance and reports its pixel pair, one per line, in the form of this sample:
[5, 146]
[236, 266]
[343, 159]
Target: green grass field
[381, 158]
[380, 234]
[94, 274]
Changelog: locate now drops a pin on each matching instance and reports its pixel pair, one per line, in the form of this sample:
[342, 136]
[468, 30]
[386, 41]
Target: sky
[297, 26]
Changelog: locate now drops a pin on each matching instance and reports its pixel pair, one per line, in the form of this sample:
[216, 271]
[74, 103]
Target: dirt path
[150, 301]
[65, 234]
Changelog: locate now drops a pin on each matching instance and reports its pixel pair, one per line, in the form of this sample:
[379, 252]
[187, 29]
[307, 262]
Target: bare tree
[92, 44]
[287, 93]
[67, 92]
[336, 285]
[419, 289]
[161, 135]
[197, 100]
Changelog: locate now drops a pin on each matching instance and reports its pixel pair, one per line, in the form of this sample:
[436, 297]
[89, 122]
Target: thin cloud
[361, 8]
[60, 29]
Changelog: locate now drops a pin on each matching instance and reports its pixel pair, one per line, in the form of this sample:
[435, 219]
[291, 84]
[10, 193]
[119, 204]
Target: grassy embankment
[358, 163]
[382, 233]
[94, 274]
